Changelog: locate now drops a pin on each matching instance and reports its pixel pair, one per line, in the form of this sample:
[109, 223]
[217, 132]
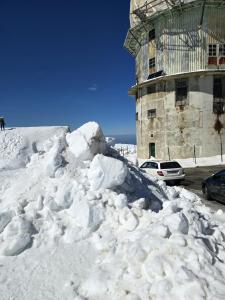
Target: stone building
[179, 48]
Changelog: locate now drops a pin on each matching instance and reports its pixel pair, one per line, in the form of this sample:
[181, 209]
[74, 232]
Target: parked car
[213, 187]
[164, 170]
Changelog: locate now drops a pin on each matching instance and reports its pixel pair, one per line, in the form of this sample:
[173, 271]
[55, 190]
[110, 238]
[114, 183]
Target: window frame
[151, 113]
[151, 63]
[151, 35]
[182, 98]
[218, 96]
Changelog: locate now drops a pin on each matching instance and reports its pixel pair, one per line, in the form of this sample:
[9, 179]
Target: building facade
[179, 48]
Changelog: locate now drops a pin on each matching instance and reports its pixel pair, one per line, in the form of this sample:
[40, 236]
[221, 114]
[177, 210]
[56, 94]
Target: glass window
[217, 88]
[152, 62]
[170, 165]
[222, 49]
[212, 50]
[151, 113]
[136, 116]
[144, 166]
[151, 35]
[181, 92]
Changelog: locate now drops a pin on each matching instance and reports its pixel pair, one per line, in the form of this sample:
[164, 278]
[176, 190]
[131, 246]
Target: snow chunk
[106, 172]
[86, 141]
[16, 237]
[86, 215]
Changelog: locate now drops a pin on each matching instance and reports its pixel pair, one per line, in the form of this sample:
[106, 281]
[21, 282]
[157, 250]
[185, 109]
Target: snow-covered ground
[78, 221]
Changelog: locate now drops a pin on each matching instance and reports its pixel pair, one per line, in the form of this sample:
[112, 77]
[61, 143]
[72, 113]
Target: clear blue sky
[62, 62]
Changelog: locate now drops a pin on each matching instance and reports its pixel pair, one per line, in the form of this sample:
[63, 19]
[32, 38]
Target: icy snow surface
[79, 224]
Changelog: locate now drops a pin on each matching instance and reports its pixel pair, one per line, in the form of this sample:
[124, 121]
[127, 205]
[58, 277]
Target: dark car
[213, 187]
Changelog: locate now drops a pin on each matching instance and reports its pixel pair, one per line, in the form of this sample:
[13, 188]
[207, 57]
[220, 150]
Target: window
[136, 116]
[212, 49]
[222, 50]
[216, 54]
[170, 165]
[152, 68]
[151, 113]
[151, 35]
[151, 89]
[222, 54]
[181, 92]
[218, 99]
[151, 62]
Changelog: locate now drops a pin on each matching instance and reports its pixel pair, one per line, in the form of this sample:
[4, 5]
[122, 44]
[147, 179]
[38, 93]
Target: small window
[151, 89]
[181, 92]
[151, 62]
[136, 116]
[222, 50]
[151, 113]
[152, 68]
[151, 35]
[217, 88]
[212, 50]
[218, 99]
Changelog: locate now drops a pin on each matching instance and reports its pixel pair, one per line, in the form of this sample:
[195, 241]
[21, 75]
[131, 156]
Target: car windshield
[170, 165]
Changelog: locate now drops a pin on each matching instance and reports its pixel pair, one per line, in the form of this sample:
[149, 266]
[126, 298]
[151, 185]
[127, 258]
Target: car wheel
[207, 193]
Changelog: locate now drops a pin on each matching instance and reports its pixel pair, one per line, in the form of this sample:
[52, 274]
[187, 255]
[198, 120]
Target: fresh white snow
[78, 221]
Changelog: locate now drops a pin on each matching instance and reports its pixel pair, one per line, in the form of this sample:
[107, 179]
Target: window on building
[212, 54]
[212, 49]
[151, 113]
[151, 62]
[151, 89]
[218, 97]
[136, 116]
[216, 54]
[151, 35]
[181, 92]
[222, 50]
[152, 68]
[222, 54]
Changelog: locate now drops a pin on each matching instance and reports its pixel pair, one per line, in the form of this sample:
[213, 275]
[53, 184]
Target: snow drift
[78, 221]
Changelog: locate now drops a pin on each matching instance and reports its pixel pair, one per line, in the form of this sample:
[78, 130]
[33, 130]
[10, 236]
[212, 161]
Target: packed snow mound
[17, 145]
[106, 172]
[87, 141]
[98, 228]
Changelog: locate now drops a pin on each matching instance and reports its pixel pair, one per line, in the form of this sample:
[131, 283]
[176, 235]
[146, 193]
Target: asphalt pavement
[193, 183]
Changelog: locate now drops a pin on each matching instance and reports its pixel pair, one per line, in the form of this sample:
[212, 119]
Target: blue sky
[62, 62]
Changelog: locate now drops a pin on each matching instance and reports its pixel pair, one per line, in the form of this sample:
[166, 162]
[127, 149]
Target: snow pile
[87, 141]
[17, 145]
[77, 224]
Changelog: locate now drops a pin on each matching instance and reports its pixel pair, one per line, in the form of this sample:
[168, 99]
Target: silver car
[164, 170]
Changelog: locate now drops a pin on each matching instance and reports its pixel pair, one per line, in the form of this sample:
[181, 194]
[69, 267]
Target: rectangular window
[152, 68]
[151, 62]
[151, 113]
[222, 50]
[216, 54]
[212, 51]
[181, 92]
[136, 116]
[151, 35]
[218, 99]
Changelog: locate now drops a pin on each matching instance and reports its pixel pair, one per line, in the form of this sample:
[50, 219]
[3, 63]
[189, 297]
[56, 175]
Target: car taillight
[160, 173]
